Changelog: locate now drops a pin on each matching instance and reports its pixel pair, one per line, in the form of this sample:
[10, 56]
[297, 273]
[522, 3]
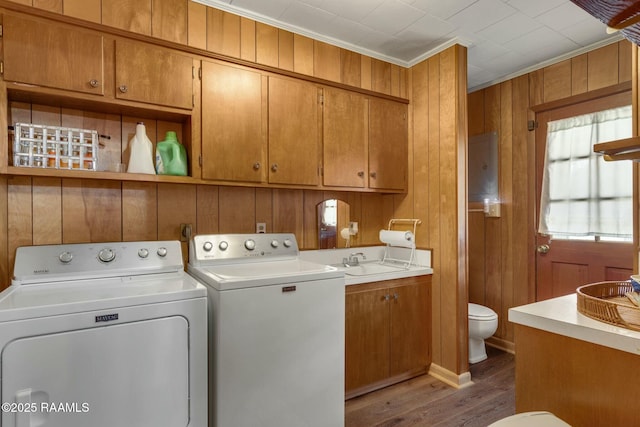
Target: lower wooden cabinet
[388, 333]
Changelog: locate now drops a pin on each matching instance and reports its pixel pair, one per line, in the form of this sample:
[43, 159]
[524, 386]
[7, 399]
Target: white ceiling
[504, 37]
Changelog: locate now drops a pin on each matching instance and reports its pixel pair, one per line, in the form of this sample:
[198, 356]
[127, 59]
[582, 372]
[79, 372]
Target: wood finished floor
[426, 401]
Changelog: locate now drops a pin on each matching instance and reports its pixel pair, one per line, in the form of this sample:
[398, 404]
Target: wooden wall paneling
[197, 25]
[380, 76]
[557, 81]
[624, 61]
[129, 131]
[91, 211]
[266, 44]
[206, 210]
[223, 32]
[477, 257]
[366, 73]
[476, 112]
[372, 219]
[326, 61]
[46, 115]
[110, 148]
[25, 2]
[237, 210]
[162, 127]
[192, 129]
[288, 209]
[311, 199]
[285, 50]
[5, 122]
[140, 209]
[395, 80]
[88, 10]
[350, 67]
[404, 82]
[5, 268]
[303, 55]
[169, 20]
[49, 5]
[603, 67]
[264, 207]
[355, 214]
[19, 215]
[506, 177]
[247, 39]
[579, 74]
[435, 215]
[419, 111]
[47, 210]
[129, 15]
[536, 87]
[176, 205]
[523, 235]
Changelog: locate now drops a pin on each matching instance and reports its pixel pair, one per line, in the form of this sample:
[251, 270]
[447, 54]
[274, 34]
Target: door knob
[543, 249]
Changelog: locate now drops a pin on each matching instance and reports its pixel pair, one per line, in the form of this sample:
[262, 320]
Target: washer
[276, 332]
[103, 335]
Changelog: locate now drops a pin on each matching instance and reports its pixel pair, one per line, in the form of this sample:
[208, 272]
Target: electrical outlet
[261, 227]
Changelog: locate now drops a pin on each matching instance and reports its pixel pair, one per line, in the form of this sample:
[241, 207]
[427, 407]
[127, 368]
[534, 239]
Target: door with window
[584, 204]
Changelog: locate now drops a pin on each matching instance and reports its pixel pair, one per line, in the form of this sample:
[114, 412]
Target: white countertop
[560, 316]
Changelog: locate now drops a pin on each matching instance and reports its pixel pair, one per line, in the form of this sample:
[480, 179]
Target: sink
[366, 269]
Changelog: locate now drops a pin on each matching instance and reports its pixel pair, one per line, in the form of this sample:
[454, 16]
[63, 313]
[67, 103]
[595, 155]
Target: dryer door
[130, 374]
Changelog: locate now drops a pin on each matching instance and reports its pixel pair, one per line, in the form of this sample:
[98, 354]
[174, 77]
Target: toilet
[531, 419]
[483, 323]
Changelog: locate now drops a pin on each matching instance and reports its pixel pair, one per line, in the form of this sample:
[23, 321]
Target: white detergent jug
[141, 157]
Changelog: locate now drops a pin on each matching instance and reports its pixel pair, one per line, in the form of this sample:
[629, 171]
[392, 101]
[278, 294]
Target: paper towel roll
[404, 239]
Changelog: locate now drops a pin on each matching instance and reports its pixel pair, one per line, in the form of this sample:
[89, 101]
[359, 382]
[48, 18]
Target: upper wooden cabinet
[153, 74]
[294, 131]
[345, 138]
[234, 123]
[52, 55]
[388, 144]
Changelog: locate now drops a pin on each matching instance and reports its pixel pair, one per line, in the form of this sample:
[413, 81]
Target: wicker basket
[607, 302]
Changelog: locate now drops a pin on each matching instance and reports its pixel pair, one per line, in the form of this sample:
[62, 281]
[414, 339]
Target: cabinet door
[345, 134]
[234, 123]
[410, 328]
[52, 55]
[294, 132]
[366, 337]
[388, 145]
[153, 75]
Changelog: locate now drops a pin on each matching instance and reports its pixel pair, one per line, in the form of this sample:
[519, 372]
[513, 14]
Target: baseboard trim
[450, 378]
[501, 344]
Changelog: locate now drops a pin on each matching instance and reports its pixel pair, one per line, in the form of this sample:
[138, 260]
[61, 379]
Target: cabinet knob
[387, 297]
[361, 174]
[274, 167]
[373, 175]
[123, 88]
[94, 83]
[256, 166]
[395, 297]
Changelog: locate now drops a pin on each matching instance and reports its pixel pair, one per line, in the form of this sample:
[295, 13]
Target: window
[584, 197]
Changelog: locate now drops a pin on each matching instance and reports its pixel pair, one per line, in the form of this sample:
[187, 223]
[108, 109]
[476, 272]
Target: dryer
[103, 335]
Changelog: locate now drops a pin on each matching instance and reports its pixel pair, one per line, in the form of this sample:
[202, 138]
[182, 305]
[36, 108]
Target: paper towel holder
[407, 262]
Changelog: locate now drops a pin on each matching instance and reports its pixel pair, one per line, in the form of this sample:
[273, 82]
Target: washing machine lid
[50, 299]
[237, 276]
[480, 312]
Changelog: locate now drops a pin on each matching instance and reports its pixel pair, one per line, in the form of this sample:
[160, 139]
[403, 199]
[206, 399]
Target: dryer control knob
[250, 244]
[275, 243]
[106, 255]
[65, 257]
[207, 246]
[143, 253]
[287, 243]
[162, 252]
[223, 246]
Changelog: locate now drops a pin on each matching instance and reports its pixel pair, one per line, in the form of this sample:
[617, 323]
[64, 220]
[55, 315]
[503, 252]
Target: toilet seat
[481, 313]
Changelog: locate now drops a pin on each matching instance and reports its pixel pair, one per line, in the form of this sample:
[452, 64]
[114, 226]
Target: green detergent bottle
[171, 157]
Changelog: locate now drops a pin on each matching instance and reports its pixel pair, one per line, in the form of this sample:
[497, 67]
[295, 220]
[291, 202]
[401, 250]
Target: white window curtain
[582, 195]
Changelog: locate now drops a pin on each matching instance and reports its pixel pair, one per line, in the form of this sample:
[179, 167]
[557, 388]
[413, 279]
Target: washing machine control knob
[207, 246]
[143, 253]
[223, 245]
[275, 243]
[162, 252]
[65, 257]
[106, 255]
[250, 244]
[287, 243]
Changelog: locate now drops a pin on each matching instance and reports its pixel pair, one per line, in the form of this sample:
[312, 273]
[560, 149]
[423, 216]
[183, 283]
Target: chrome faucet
[353, 260]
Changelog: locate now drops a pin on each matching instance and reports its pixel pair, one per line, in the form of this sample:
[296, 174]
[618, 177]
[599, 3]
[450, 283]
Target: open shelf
[623, 149]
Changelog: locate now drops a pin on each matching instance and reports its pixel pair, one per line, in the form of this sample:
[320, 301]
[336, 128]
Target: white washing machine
[276, 332]
[103, 335]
